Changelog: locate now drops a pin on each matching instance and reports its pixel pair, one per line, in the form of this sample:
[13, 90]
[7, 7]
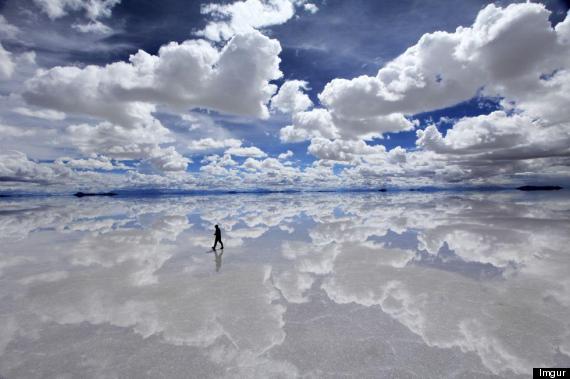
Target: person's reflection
[218, 258]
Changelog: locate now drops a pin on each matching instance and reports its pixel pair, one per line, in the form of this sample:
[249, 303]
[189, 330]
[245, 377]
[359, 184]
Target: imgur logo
[550, 373]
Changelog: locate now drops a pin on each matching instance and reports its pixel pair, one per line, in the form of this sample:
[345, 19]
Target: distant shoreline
[157, 193]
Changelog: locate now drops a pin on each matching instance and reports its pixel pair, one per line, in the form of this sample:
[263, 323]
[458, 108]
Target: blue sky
[282, 94]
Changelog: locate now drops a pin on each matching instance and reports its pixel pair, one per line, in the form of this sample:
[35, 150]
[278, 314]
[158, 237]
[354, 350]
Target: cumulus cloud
[513, 53]
[269, 171]
[193, 74]
[444, 68]
[6, 63]
[45, 114]
[286, 155]
[168, 159]
[121, 110]
[251, 151]
[93, 27]
[321, 122]
[498, 136]
[93, 9]
[7, 30]
[212, 162]
[263, 172]
[207, 144]
[93, 163]
[306, 125]
[341, 150]
[290, 98]
[141, 143]
[15, 167]
[14, 131]
[118, 141]
[311, 8]
[245, 16]
[234, 79]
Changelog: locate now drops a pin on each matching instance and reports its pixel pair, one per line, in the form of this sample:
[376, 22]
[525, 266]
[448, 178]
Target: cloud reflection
[74, 268]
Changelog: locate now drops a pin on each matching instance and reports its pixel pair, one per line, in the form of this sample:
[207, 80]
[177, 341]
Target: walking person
[218, 234]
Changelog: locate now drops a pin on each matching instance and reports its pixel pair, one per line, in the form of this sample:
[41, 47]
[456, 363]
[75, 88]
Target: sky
[282, 94]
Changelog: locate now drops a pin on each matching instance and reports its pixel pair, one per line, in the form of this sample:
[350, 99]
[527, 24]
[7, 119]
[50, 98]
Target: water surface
[313, 285]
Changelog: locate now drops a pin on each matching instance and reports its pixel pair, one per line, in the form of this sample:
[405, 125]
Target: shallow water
[314, 285]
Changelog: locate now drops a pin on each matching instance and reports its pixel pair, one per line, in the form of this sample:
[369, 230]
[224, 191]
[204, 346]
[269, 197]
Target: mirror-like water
[314, 285]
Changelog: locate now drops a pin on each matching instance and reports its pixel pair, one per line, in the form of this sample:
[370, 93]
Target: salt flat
[315, 285]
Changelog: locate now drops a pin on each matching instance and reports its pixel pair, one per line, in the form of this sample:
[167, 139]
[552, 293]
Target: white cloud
[93, 9]
[397, 155]
[14, 131]
[498, 145]
[445, 68]
[45, 114]
[15, 167]
[168, 159]
[117, 141]
[141, 142]
[93, 27]
[290, 98]
[93, 163]
[193, 74]
[6, 63]
[252, 164]
[286, 155]
[207, 144]
[7, 30]
[342, 150]
[498, 135]
[244, 16]
[291, 134]
[250, 151]
[313, 123]
[321, 123]
[215, 163]
[311, 8]
[511, 52]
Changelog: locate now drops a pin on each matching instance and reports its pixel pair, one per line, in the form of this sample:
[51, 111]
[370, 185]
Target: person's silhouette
[218, 234]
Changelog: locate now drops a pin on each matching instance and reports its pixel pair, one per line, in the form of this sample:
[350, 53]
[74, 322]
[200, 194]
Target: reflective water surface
[309, 285]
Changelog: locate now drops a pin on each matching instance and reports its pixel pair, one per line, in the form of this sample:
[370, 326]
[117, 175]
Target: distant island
[539, 188]
[82, 194]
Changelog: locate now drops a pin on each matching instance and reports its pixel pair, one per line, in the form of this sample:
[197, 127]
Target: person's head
[216, 226]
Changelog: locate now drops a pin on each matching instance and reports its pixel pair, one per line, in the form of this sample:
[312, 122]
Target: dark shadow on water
[218, 259]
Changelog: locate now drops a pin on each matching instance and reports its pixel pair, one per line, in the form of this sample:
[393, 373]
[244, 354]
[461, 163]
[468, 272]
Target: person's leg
[221, 243]
[215, 243]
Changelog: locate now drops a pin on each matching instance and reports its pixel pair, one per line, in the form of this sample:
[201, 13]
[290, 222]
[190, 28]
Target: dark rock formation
[539, 188]
[82, 194]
